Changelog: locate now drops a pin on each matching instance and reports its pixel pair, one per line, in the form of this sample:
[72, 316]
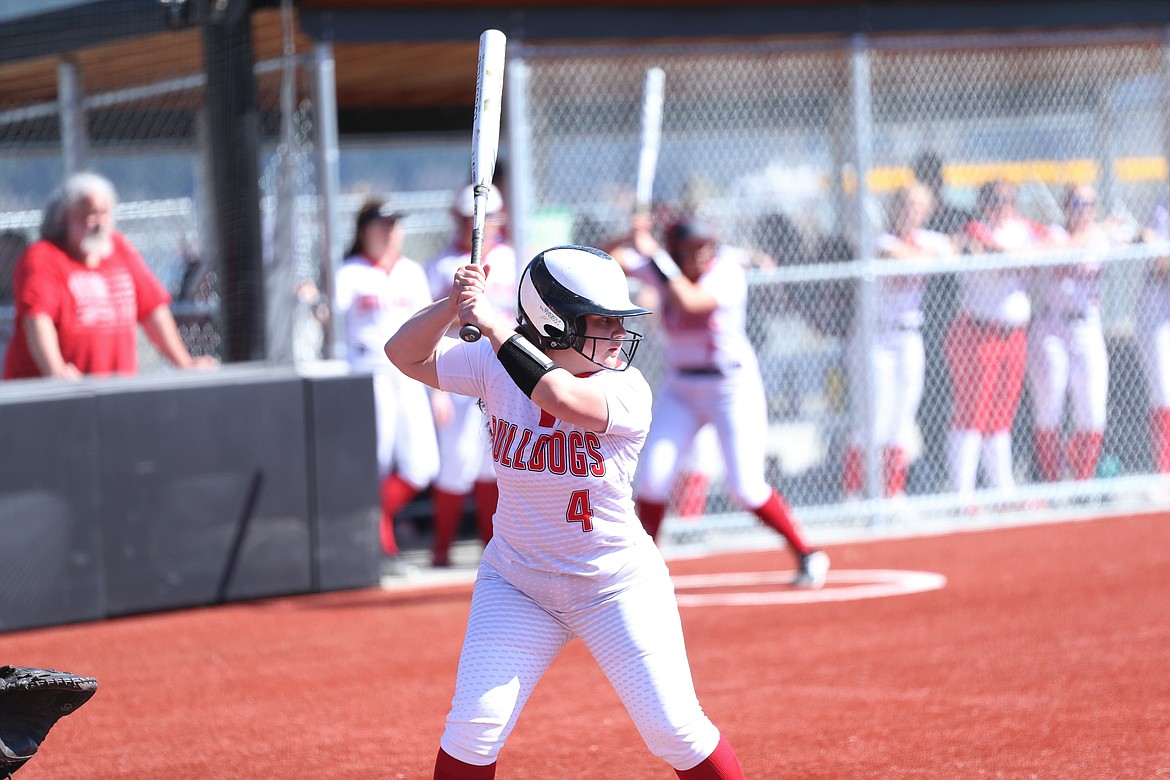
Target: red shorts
[986, 362]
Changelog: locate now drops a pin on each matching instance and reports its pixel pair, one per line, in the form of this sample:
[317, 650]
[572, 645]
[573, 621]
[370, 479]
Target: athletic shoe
[814, 570]
[395, 566]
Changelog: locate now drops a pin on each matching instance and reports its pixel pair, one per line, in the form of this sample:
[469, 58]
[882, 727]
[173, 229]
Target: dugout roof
[404, 65]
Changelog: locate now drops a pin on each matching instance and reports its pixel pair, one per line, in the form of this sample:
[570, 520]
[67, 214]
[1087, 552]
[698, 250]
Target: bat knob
[469, 333]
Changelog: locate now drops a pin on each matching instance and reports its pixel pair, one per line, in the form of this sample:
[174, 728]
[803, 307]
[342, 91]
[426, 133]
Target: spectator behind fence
[12, 246]
[82, 290]
[1067, 358]
[1154, 342]
[986, 344]
[896, 361]
[377, 289]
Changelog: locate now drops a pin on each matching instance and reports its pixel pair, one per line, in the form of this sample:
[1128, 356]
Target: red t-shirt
[96, 310]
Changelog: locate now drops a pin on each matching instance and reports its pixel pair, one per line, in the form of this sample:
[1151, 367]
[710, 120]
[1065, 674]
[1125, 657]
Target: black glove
[31, 702]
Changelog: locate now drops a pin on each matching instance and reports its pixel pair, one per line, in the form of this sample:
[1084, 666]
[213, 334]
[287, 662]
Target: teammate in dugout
[568, 417]
[465, 465]
[376, 290]
[1067, 357]
[712, 377]
[896, 357]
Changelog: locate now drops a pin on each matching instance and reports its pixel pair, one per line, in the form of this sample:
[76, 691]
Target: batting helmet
[560, 286]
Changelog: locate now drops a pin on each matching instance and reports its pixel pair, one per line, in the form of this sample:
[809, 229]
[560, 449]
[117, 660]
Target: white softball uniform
[1067, 357]
[713, 377]
[464, 457]
[897, 362]
[569, 558]
[1000, 297]
[372, 304]
[1153, 332]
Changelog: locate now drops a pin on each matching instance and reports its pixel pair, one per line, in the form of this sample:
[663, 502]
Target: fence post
[70, 92]
[234, 123]
[519, 157]
[329, 184]
[866, 320]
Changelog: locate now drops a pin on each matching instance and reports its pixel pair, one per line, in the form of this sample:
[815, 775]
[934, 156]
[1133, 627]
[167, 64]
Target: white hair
[77, 187]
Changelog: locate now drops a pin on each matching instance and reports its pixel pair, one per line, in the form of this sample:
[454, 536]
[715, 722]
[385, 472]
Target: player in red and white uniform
[1067, 357]
[1153, 338]
[377, 289]
[465, 464]
[986, 344]
[897, 362]
[712, 377]
[568, 557]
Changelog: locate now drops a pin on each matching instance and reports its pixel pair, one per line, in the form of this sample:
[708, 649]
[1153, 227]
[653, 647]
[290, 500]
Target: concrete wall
[123, 496]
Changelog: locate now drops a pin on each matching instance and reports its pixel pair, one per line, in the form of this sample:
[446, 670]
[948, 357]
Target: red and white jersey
[1001, 296]
[501, 281]
[1074, 289]
[373, 303]
[566, 497]
[714, 340]
[900, 297]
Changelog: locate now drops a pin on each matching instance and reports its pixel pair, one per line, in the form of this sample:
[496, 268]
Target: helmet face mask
[560, 287]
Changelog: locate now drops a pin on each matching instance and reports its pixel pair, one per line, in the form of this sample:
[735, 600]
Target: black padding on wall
[127, 496]
[50, 567]
[177, 491]
[343, 455]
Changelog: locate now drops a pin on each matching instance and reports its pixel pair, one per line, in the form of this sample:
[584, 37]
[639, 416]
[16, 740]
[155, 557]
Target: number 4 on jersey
[579, 510]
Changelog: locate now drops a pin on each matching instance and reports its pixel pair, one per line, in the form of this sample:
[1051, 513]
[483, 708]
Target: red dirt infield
[1045, 655]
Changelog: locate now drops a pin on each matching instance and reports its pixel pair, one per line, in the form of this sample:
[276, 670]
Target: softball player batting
[712, 377]
[1067, 358]
[465, 464]
[377, 289]
[568, 557]
[897, 362]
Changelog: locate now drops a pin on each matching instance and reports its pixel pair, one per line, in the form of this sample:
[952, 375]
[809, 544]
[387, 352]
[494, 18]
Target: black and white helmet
[563, 284]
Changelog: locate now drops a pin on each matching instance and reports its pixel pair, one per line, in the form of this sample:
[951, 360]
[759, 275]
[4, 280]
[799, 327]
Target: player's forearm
[412, 348]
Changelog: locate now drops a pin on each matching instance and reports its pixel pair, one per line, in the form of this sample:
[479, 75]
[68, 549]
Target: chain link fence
[800, 153]
[767, 142]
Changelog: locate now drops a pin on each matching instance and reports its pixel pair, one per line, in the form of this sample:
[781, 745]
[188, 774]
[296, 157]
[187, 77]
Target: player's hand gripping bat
[485, 141]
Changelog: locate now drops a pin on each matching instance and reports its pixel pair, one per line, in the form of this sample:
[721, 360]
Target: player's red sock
[487, 495]
[396, 492]
[651, 514]
[897, 467]
[1160, 439]
[851, 476]
[1047, 444]
[722, 764]
[1084, 449]
[776, 514]
[691, 493]
[447, 510]
[448, 768]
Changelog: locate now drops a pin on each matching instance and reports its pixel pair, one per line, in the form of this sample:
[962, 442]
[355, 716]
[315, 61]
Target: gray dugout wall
[124, 496]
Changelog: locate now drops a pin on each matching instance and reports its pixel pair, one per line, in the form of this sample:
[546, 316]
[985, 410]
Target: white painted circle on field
[842, 585]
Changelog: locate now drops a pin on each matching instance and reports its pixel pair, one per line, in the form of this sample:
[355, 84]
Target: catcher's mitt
[31, 702]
